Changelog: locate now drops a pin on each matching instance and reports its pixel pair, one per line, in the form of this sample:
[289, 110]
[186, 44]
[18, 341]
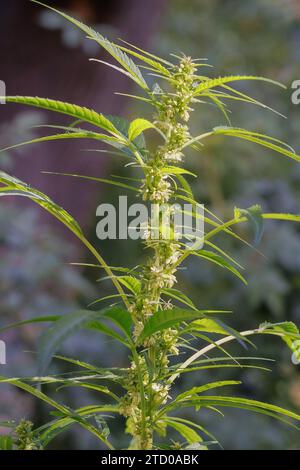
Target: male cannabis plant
[149, 320]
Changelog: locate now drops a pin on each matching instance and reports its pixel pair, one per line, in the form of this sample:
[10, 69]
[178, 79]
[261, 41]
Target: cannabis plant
[150, 317]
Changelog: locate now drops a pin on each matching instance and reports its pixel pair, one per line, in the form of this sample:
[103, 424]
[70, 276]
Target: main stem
[146, 390]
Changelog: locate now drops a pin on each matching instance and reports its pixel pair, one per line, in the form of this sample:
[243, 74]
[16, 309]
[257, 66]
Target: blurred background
[45, 56]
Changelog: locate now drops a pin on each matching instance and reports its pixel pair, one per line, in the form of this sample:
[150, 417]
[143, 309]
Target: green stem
[142, 397]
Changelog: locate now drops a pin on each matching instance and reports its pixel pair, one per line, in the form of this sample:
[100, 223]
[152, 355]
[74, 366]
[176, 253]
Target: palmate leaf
[50, 431]
[150, 59]
[76, 381]
[78, 112]
[123, 125]
[112, 374]
[178, 295]
[69, 323]
[20, 188]
[69, 135]
[219, 104]
[217, 363]
[215, 402]
[74, 417]
[35, 392]
[149, 54]
[53, 337]
[99, 326]
[288, 332]
[192, 425]
[203, 388]
[260, 139]
[127, 148]
[223, 253]
[188, 433]
[176, 170]
[44, 319]
[137, 127]
[13, 184]
[220, 261]
[255, 137]
[130, 68]
[208, 325]
[168, 318]
[90, 386]
[126, 62]
[121, 142]
[242, 403]
[117, 127]
[131, 283]
[92, 324]
[241, 219]
[221, 226]
[236, 95]
[216, 82]
[94, 178]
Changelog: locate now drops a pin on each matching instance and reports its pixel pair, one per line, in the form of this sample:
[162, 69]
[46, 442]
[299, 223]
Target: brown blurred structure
[34, 61]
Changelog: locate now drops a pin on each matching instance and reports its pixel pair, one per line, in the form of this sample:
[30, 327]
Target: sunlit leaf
[119, 55]
[137, 127]
[69, 323]
[168, 318]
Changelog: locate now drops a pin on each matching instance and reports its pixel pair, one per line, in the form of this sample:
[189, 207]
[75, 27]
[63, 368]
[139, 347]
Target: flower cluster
[176, 105]
[25, 437]
[130, 406]
[130, 403]
[158, 274]
[172, 108]
[184, 85]
[155, 394]
[155, 186]
[160, 392]
[177, 135]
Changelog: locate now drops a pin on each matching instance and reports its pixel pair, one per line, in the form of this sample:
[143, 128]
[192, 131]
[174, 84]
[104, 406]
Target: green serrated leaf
[178, 295]
[70, 323]
[203, 388]
[220, 261]
[131, 283]
[189, 434]
[126, 62]
[137, 127]
[288, 332]
[11, 183]
[216, 82]
[78, 112]
[208, 325]
[168, 318]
